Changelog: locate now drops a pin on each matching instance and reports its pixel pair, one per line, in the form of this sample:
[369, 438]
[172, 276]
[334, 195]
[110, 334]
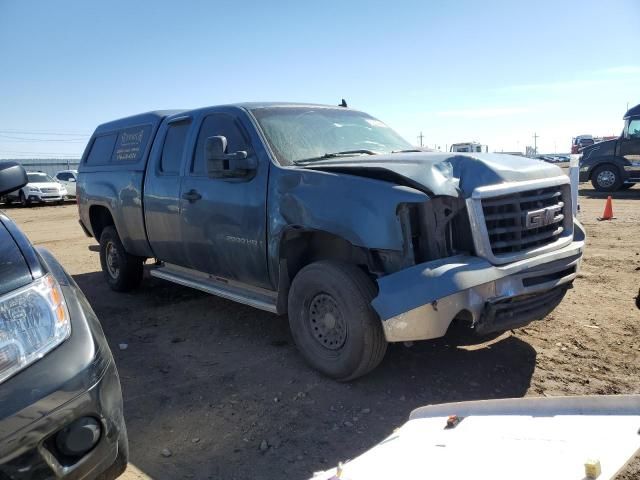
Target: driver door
[630, 149]
[223, 220]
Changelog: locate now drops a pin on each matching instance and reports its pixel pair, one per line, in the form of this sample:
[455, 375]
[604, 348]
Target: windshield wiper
[409, 150]
[344, 153]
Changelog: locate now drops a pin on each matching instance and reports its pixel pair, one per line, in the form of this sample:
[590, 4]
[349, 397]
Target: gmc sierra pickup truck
[327, 214]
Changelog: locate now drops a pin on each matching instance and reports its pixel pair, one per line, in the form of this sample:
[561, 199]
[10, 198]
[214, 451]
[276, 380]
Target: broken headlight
[33, 321]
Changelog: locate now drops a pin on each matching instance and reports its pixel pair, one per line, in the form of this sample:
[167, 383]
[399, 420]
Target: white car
[41, 188]
[68, 178]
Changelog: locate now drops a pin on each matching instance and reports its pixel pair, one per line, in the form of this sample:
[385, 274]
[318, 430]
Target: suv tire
[24, 201]
[332, 322]
[122, 270]
[606, 178]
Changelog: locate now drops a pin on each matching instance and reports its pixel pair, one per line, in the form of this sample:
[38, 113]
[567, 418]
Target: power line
[18, 152]
[23, 139]
[36, 132]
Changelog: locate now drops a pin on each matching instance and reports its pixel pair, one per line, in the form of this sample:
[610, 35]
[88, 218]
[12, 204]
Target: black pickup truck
[327, 214]
[614, 164]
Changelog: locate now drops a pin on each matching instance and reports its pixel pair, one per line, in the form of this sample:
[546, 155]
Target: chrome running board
[229, 289]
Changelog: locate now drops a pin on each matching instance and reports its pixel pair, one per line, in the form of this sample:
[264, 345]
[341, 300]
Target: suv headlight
[33, 321]
[34, 189]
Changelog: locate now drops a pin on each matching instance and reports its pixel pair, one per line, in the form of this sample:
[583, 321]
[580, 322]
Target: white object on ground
[527, 439]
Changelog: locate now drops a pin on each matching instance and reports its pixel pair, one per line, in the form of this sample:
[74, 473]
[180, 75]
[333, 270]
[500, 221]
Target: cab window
[214, 125]
[634, 128]
[173, 147]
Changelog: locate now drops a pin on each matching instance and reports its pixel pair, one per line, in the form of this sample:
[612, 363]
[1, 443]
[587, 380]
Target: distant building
[46, 165]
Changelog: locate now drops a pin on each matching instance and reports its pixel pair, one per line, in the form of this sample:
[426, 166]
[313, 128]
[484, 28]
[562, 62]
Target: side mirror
[223, 164]
[72, 180]
[12, 177]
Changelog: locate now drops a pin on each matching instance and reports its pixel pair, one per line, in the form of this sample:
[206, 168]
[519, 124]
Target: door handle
[192, 196]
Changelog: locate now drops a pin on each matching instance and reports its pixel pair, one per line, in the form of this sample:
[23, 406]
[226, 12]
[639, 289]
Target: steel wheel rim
[606, 178]
[112, 261]
[326, 322]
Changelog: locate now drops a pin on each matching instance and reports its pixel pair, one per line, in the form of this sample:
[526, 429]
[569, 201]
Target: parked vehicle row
[41, 188]
[553, 158]
[60, 399]
[326, 214]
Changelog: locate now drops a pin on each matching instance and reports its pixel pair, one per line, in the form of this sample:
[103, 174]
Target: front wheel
[332, 322]
[24, 201]
[122, 270]
[606, 178]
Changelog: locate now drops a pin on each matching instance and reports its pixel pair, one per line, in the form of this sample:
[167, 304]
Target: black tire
[627, 186]
[119, 465]
[606, 178]
[353, 343]
[24, 201]
[122, 270]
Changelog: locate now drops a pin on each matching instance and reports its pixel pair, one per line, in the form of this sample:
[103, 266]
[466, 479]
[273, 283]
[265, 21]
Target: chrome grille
[524, 220]
[49, 190]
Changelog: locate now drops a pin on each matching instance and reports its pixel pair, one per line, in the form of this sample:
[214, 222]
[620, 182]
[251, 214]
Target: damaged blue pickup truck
[327, 214]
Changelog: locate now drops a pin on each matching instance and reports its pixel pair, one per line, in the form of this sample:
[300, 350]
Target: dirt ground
[208, 381]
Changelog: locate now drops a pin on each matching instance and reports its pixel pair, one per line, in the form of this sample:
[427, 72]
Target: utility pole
[535, 142]
[420, 138]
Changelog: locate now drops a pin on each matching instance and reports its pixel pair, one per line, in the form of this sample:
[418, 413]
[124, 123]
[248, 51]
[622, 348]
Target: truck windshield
[298, 134]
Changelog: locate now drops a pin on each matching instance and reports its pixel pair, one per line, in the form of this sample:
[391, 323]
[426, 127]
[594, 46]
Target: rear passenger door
[224, 219]
[162, 192]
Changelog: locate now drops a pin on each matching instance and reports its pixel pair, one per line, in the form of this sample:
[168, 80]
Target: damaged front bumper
[420, 302]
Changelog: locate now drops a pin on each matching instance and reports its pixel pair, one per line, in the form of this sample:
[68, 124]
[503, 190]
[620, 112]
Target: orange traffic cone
[608, 210]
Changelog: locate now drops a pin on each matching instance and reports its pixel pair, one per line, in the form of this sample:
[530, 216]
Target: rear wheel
[122, 270]
[332, 322]
[606, 178]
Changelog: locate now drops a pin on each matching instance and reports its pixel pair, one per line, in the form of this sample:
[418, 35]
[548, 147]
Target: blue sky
[490, 71]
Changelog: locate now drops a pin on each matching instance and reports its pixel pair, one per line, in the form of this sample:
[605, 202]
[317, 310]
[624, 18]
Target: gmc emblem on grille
[541, 218]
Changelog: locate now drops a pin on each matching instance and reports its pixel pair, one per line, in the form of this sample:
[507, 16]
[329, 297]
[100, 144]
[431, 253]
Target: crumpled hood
[437, 173]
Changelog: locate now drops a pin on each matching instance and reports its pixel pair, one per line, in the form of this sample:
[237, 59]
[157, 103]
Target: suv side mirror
[71, 180]
[223, 164]
[12, 177]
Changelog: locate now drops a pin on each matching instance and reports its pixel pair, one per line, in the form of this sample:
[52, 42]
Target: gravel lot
[214, 389]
